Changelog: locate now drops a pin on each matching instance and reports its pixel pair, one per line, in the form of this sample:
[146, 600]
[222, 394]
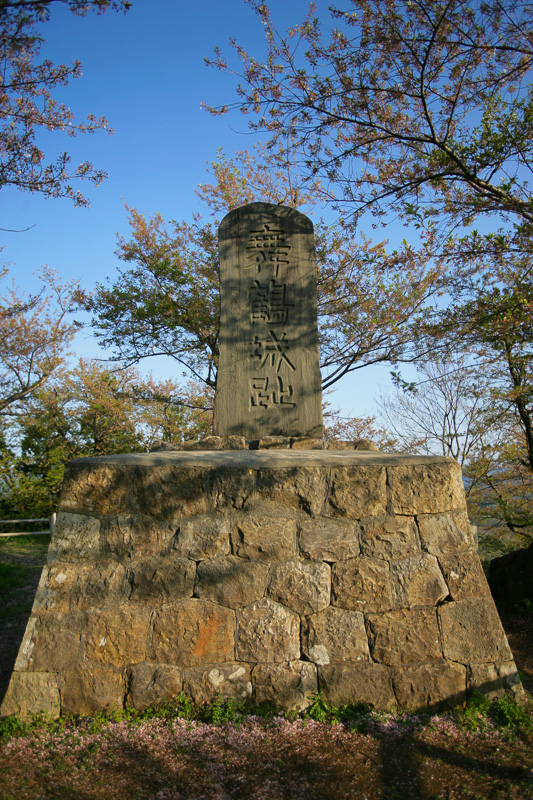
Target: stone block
[100, 585]
[496, 680]
[472, 632]
[404, 636]
[286, 686]
[150, 685]
[90, 689]
[132, 536]
[272, 443]
[426, 489]
[203, 537]
[76, 538]
[117, 636]
[56, 587]
[389, 537]
[364, 683]
[161, 580]
[417, 581]
[328, 539]
[335, 635]
[361, 584]
[304, 487]
[354, 444]
[220, 680]
[303, 586]
[231, 581]
[304, 443]
[228, 489]
[26, 645]
[207, 443]
[464, 575]
[263, 538]
[171, 492]
[89, 485]
[445, 534]
[357, 492]
[268, 632]
[31, 693]
[427, 685]
[55, 644]
[193, 632]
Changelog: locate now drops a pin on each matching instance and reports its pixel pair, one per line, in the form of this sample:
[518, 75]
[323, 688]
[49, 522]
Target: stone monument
[261, 573]
[269, 378]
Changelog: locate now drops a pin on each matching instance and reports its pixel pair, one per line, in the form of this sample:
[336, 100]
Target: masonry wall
[266, 575]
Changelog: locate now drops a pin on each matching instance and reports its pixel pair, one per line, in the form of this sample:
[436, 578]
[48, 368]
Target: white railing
[51, 523]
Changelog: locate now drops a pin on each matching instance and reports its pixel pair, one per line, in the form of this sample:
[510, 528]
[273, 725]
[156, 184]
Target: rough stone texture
[472, 632]
[91, 688]
[285, 685]
[492, 679]
[32, 693]
[231, 581]
[265, 443]
[161, 580]
[55, 643]
[335, 635]
[269, 378]
[445, 534]
[224, 680]
[257, 573]
[76, 537]
[365, 683]
[304, 587]
[417, 581]
[427, 685]
[129, 536]
[389, 537]
[426, 489]
[117, 636]
[264, 539]
[357, 492]
[303, 489]
[203, 537]
[464, 575]
[267, 631]
[328, 540]
[361, 584]
[56, 587]
[405, 636]
[149, 685]
[98, 585]
[191, 633]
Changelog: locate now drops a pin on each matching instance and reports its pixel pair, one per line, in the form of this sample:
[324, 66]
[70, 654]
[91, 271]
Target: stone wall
[261, 575]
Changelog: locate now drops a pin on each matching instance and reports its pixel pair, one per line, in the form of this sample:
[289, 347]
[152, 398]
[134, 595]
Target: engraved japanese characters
[268, 378]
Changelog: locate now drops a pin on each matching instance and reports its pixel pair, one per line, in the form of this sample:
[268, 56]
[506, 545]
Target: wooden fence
[51, 522]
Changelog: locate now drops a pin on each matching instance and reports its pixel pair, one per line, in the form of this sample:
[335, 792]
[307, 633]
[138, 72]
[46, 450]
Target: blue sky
[145, 72]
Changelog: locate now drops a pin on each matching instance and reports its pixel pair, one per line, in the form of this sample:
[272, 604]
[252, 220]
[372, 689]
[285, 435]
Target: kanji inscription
[268, 378]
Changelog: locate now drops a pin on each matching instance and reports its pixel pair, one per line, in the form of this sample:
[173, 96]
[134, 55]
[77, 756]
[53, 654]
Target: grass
[228, 750]
[21, 563]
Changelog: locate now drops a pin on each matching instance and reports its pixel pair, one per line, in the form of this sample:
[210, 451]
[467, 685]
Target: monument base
[266, 575]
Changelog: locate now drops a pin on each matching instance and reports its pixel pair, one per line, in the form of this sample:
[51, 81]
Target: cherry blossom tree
[27, 104]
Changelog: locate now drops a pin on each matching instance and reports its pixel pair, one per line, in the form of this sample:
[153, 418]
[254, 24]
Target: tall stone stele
[269, 376]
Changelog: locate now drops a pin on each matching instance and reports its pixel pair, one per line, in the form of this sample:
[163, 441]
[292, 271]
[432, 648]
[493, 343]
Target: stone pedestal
[264, 575]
